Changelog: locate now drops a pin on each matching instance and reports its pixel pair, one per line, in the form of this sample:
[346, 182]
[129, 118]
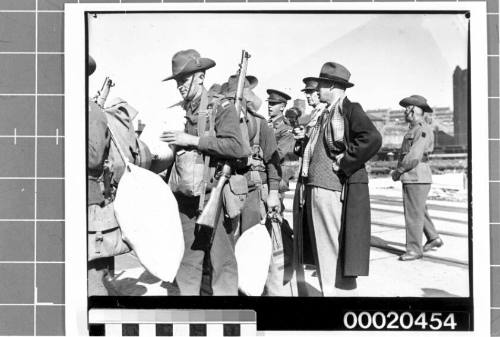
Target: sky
[390, 56]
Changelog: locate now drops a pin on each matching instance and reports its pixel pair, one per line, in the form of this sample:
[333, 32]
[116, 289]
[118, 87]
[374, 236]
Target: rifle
[242, 73]
[206, 224]
[100, 99]
[207, 221]
[102, 95]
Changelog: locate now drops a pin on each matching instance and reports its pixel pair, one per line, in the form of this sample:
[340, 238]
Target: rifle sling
[202, 122]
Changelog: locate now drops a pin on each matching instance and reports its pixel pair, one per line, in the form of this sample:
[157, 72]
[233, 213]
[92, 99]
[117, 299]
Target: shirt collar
[339, 101]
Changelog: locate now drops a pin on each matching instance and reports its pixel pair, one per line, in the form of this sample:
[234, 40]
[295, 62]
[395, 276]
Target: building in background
[460, 106]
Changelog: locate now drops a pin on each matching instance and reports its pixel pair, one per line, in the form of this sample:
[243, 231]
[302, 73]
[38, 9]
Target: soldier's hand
[179, 138]
[395, 175]
[273, 200]
[283, 186]
[299, 133]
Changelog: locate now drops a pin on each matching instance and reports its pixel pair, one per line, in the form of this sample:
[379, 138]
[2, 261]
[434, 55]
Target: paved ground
[440, 273]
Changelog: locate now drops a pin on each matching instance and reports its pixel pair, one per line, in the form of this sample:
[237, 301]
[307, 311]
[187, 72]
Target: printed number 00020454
[399, 320]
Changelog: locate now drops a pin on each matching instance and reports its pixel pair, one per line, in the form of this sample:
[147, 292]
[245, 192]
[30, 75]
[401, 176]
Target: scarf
[336, 122]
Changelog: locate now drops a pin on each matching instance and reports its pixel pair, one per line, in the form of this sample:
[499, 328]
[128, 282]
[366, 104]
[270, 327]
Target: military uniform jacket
[418, 142]
[284, 139]
[286, 147]
[228, 141]
[270, 156]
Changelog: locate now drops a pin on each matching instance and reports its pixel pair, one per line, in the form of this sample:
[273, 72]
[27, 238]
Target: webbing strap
[202, 123]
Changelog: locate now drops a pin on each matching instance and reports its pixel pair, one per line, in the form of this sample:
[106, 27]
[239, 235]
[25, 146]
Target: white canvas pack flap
[253, 254]
[149, 219]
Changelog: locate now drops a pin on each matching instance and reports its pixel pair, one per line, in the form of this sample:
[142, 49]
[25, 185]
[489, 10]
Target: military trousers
[417, 219]
[324, 220]
[224, 271]
[251, 214]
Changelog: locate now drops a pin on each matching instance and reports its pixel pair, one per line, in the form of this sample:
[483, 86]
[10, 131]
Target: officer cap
[276, 96]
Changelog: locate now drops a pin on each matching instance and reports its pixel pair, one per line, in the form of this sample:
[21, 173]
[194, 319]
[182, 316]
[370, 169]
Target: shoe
[410, 256]
[436, 243]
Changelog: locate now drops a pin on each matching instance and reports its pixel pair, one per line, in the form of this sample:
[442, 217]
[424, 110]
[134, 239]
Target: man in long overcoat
[337, 196]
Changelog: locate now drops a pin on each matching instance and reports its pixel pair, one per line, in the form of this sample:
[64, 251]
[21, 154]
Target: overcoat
[362, 141]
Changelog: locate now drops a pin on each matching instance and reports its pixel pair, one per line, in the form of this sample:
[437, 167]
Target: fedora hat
[187, 62]
[91, 65]
[311, 84]
[276, 96]
[334, 73]
[416, 100]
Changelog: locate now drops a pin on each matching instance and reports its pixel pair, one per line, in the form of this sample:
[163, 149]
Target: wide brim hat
[228, 89]
[232, 83]
[416, 100]
[187, 62]
[333, 72]
[91, 65]
[252, 81]
[276, 96]
[311, 84]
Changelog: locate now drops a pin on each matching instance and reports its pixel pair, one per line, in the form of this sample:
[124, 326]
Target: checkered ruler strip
[160, 322]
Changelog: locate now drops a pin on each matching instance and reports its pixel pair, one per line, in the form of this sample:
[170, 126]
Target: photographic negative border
[76, 100]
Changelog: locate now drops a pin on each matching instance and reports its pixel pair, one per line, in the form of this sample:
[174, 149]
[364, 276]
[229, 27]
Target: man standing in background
[416, 176]
[277, 102]
[337, 198]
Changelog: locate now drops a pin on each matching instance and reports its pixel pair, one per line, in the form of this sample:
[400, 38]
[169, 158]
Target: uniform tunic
[252, 212]
[286, 144]
[418, 142]
[226, 144]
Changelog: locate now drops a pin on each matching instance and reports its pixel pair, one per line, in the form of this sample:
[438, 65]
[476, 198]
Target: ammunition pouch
[104, 233]
[234, 195]
[187, 173]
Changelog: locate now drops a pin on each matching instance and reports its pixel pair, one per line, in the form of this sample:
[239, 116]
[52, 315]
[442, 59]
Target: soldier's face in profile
[312, 97]
[409, 114]
[275, 109]
[189, 86]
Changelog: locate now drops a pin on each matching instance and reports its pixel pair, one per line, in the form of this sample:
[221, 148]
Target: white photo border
[76, 313]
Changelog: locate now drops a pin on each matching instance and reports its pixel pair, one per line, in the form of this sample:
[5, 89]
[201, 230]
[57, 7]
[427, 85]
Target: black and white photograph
[345, 144]
[291, 154]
